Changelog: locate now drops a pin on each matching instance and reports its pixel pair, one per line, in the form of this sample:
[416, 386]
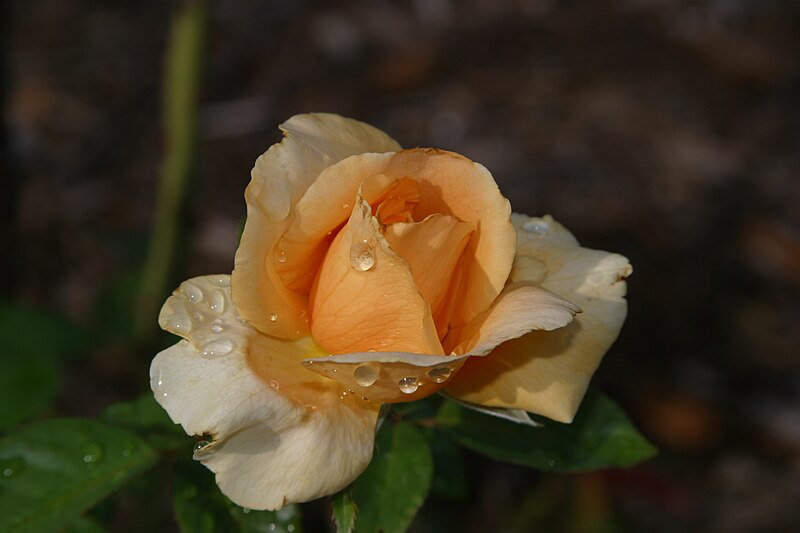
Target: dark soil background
[666, 130]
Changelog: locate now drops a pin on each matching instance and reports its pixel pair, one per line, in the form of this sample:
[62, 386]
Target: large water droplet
[362, 255]
[177, 320]
[538, 227]
[11, 466]
[217, 302]
[366, 374]
[192, 292]
[218, 347]
[408, 385]
[199, 445]
[440, 374]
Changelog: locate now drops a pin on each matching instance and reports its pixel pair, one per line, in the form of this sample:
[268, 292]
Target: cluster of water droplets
[197, 312]
[369, 373]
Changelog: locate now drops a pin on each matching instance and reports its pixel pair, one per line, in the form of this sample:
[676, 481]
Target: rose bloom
[366, 275]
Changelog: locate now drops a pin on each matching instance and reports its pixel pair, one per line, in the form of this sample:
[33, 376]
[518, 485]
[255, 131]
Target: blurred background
[665, 130]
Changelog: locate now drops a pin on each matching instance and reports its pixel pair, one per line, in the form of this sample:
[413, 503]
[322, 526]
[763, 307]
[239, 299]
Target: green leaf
[344, 511]
[449, 473]
[201, 508]
[395, 484]
[33, 332]
[53, 471]
[27, 387]
[145, 416]
[601, 436]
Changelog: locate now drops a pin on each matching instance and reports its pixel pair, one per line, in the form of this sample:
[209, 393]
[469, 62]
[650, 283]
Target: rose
[367, 274]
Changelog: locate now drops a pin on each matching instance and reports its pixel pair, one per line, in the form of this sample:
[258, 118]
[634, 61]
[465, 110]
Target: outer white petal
[280, 177]
[267, 450]
[548, 372]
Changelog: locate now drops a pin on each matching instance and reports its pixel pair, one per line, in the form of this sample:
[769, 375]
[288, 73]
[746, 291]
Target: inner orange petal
[365, 297]
[397, 202]
[433, 248]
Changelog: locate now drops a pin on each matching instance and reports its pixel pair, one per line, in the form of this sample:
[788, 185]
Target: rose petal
[279, 179]
[433, 248]
[388, 377]
[365, 297]
[453, 185]
[267, 451]
[520, 308]
[547, 372]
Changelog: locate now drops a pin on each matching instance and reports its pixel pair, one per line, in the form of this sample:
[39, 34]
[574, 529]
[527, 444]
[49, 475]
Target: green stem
[183, 65]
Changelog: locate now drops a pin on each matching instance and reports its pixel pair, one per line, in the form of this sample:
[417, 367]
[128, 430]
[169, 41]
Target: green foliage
[145, 416]
[395, 484]
[52, 471]
[201, 508]
[344, 511]
[601, 436]
[34, 341]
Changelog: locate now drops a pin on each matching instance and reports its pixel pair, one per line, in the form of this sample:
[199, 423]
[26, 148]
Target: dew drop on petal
[198, 316]
[281, 256]
[345, 206]
[192, 292]
[216, 328]
[538, 227]
[273, 317]
[440, 374]
[217, 302]
[408, 385]
[362, 255]
[199, 445]
[218, 347]
[222, 281]
[366, 374]
[274, 384]
[178, 321]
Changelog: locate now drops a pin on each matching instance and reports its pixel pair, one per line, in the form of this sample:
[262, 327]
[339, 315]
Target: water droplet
[199, 445]
[408, 385]
[126, 452]
[178, 320]
[12, 466]
[92, 454]
[217, 303]
[216, 328]
[218, 347]
[281, 257]
[198, 316]
[440, 374]
[366, 374]
[245, 510]
[273, 317]
[538, 227]
[274, 384]
[362, 255]
[273, 527]
[222, 281]
[290, 528]
[345, 206]
[192, 292]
